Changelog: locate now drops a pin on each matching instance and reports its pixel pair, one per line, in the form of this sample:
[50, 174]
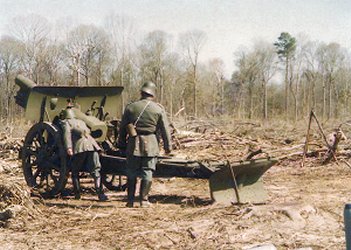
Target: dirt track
[304, 209]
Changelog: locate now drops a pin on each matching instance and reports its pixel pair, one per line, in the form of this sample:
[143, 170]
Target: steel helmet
[149, 88]
[68, 113]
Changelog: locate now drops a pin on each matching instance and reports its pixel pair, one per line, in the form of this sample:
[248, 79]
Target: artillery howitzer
[46, 165]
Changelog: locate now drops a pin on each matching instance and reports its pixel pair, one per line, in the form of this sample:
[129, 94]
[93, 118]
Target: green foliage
[286, 45]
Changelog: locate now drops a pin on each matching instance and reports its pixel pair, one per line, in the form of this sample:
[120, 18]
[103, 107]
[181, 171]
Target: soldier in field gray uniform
[141, 121]
[83, 149]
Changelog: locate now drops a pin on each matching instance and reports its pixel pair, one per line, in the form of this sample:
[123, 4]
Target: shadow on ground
[192, 201]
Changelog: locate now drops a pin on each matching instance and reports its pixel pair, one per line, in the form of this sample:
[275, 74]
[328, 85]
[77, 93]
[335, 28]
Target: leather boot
[145, 187]
[76, 187]
[99, 189]
[131, 185]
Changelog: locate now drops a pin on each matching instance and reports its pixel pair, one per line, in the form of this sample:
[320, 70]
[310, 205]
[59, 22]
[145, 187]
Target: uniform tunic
[143, 149]
[76, 135]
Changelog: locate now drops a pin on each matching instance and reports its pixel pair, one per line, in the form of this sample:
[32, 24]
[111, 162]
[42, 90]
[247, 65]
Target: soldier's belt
[145, 133]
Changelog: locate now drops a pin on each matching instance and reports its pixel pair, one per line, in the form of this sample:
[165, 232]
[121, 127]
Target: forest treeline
[284, 78]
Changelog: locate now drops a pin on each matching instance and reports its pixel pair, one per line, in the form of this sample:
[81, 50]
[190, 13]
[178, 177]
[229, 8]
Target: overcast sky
[227, 23]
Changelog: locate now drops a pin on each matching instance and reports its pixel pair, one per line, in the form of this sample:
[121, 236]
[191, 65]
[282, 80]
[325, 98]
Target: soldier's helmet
[149, 88]
[67, 113]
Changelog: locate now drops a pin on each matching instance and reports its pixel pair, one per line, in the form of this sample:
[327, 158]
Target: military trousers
[88, 161]
[141, 166]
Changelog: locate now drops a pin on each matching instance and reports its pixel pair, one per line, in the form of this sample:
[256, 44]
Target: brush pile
[240, 140]
[9, 147]
[15, 202]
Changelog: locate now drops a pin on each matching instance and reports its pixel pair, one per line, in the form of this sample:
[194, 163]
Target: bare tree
[153, 56]
[311, 75]
[173, 75]
[9, 58]
[33, 31]
[331, 58]
[267, 67]
[216, 68]
[87, 48]
[53, 62]
[122, 34]
[248, 75]
[192, 42]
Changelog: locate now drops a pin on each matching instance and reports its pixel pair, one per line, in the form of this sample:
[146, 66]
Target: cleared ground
[304, 209]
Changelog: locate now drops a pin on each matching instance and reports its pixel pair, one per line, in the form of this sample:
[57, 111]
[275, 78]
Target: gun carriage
[46, 165]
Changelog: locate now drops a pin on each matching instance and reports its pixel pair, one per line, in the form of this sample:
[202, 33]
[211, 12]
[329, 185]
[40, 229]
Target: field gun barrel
[24, 82]
[26, 85]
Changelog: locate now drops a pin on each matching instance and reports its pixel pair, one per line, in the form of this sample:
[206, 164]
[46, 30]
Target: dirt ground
[304, 208]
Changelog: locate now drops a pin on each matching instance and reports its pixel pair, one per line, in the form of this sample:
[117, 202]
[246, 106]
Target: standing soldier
[83, 149]
[140, 123]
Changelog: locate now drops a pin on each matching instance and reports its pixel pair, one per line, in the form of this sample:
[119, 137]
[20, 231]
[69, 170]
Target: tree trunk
[222, 96]
[324, 100]
[330, 97]
[250, 102]
[336, 105]
[195, 90]
[8, 98]
[296, 98]
[295, 102]
[162, 89]
[313, 94]
[286, 88]
[77, 72]
[265, 102]
[171, 100]
[241, 101]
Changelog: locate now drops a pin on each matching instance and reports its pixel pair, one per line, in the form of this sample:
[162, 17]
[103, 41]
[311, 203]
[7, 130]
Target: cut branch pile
[9, 147]
[15, 203]
[249, 140]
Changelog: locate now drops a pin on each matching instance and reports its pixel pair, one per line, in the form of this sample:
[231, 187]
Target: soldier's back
[146, 110]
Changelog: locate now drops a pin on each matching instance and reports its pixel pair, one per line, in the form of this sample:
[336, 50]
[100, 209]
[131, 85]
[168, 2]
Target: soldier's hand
[70, 151]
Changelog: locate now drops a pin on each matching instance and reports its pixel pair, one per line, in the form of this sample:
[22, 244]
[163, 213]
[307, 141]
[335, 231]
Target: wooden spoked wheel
[44, 159]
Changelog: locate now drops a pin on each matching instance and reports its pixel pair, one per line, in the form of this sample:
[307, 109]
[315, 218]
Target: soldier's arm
[165, 132]
[67, 137]
[122, 136]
